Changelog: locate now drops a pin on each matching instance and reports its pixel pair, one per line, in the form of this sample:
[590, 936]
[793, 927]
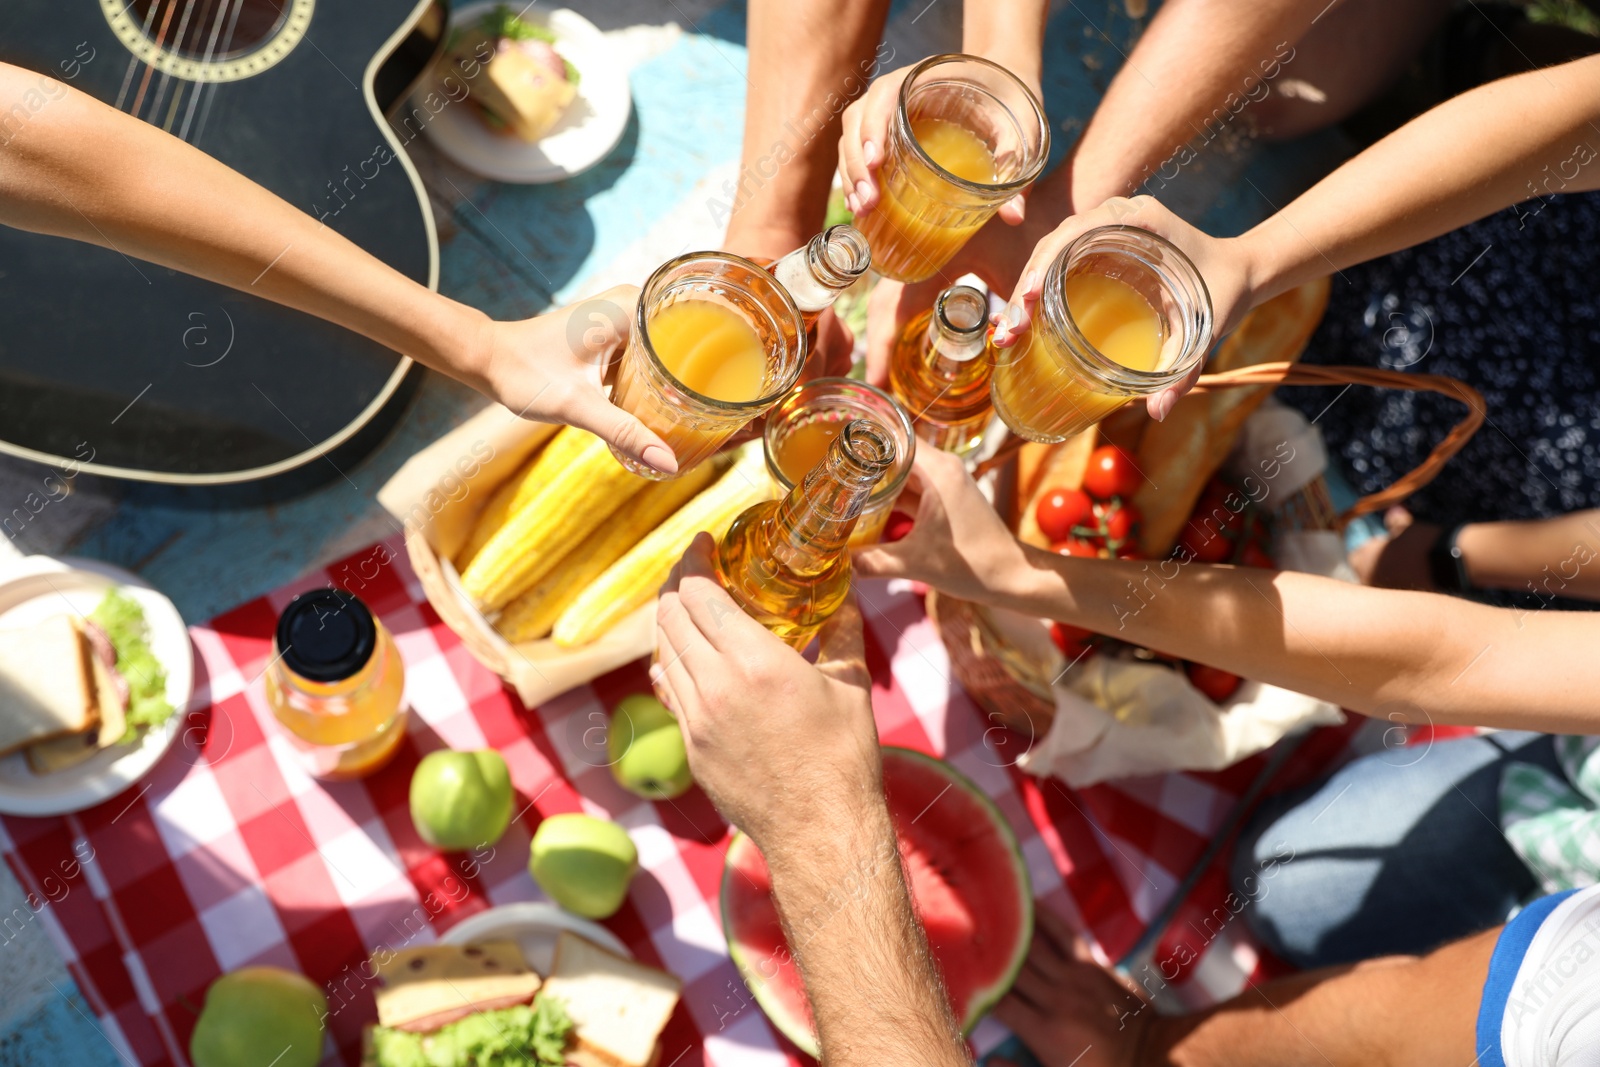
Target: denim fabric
[1398, 852]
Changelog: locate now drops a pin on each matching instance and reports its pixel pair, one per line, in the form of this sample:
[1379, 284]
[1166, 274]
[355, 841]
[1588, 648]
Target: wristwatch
[1445, 565]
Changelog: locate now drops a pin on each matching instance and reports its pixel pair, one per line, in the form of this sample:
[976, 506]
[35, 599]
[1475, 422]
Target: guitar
[120, 367]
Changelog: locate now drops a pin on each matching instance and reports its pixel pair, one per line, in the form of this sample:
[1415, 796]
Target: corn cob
[566, 509]
[534, 613]
[494, 516]
[518, 489]
[634, 579]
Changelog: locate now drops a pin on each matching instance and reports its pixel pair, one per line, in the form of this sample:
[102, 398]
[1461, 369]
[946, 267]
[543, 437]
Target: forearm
[1522, 137]
[1196, 70]
[1547, 557]
[1393, 1011]
[1377, 651]
[792, 115]
[1009, 33]
[875, 994]
[171, 204]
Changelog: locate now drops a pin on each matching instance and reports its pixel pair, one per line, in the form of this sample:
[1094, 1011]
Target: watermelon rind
[798, 1029]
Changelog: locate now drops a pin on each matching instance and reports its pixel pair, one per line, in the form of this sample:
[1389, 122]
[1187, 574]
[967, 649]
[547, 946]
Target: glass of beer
[716, 342]
[804, 424]
[966, 137]
[1123, 314]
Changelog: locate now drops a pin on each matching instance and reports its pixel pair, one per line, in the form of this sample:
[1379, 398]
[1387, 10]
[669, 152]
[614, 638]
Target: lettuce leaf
[520, 1036]
[122, 619]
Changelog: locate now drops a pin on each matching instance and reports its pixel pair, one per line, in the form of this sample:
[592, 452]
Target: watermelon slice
[968, 882]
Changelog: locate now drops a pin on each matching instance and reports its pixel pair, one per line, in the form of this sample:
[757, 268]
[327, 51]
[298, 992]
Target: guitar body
[121, 367]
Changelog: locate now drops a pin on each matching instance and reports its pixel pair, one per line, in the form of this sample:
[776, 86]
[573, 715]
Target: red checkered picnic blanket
[228, 855]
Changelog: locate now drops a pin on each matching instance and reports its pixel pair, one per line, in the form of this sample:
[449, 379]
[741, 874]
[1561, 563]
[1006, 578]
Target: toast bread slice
[47, 683]
[618, 1007]
[431, 986]
[59, 753]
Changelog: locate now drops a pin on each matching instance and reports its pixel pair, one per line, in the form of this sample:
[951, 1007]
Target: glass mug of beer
[966, 137]
[716, 342]
[1124, 314]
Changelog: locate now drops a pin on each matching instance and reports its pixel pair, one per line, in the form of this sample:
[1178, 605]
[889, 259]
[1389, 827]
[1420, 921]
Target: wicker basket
[1015, 689]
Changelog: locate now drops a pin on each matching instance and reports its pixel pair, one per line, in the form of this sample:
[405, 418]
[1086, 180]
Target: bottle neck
[956, 334]
[818, 271]
[811, 526]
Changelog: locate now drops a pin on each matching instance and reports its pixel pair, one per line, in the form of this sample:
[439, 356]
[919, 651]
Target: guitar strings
[149, 69]
[133, 59]
[166, 75]
[211, 50]
[227, 48]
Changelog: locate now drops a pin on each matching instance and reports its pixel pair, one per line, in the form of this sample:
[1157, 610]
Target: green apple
[461, 799]
[583, 864]
[260, 1015]
[646, 749]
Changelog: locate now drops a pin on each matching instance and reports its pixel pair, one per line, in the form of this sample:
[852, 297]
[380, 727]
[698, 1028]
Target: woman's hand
[866, 138]
[958, 544]
[552, 368]
[785, 750]
[1224, 263]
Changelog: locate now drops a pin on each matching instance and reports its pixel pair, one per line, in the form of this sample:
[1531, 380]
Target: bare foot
[1068, 1009]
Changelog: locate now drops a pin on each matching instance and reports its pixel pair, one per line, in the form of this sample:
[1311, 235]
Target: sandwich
[519, 84]
[482, 1006]
[71, 687]
[52, 684]
[618, 1007]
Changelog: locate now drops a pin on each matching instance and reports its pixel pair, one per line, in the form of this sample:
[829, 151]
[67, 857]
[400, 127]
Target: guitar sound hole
[209, 29]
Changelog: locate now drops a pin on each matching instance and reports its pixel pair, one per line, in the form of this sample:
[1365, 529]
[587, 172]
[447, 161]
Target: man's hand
[1067, 1008]
[958, 544]
[865, 139]
[552, 368]
[787, 752]
[1223, 263]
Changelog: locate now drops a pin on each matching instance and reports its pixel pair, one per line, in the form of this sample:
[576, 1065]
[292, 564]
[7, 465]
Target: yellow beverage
[336, 684]
[956, 149]
[1116, 320]
[1043, 388]
[711, 349]
[922, 219]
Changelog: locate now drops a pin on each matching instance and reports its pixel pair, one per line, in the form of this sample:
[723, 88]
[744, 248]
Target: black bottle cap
[326, 635]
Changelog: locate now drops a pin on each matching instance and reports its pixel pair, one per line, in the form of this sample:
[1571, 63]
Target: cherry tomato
[1129, 551]
[1059, 510]
[1204, 546]
[1217, 684]
[898, 526]
[1119, 520]
[1256, 556]
[1077, 546]
[1111, 472]
[1073, 641]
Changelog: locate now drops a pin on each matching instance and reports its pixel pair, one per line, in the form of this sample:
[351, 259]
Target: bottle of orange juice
[335, 684]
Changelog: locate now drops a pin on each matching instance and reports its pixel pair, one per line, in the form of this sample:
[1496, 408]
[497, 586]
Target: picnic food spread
[73, 686]
[520, 85]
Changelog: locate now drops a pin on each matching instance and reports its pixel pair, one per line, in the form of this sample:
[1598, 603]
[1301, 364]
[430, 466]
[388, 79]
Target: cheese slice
[428, 987]
[618, 1007]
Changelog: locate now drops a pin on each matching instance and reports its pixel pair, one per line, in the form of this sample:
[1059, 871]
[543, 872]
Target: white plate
[590, 129]
[534, 927]
[38, 587]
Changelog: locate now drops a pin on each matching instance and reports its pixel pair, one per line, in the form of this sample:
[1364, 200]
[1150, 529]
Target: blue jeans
[1398, 852]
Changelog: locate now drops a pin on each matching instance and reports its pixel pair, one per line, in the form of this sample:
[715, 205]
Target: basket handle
[1284, 373]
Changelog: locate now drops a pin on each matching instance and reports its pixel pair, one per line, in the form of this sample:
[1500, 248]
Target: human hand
[865, 139]
[1399, 558]
[1224, 263]
[786, 750]
[958, 544]
[1067, 1008]
[552, 368]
